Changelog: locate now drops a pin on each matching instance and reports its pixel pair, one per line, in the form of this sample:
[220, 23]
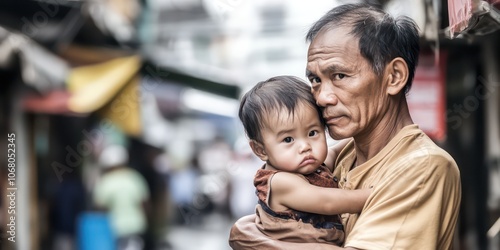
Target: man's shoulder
[421, 145]
[413, 149]
[418, 153]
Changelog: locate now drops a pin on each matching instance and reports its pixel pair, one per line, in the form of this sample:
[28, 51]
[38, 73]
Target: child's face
[295, 143]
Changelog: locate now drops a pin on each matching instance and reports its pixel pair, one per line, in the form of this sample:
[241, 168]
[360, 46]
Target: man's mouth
[332, 119]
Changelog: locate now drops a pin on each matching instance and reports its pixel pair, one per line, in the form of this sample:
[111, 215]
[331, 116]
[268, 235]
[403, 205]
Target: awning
[93, 86]
[109, 88]
[473, 17]
[176, 76]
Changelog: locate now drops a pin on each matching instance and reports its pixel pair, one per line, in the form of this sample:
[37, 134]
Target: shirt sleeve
[415, 206]
[99, 195]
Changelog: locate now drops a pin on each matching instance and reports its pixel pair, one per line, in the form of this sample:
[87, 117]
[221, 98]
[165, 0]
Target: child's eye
[288, 139]
[313, 133]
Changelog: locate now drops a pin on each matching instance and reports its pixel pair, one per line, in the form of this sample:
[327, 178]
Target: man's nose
[325, 96]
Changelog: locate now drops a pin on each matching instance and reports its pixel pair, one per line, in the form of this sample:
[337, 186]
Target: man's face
[344, 84]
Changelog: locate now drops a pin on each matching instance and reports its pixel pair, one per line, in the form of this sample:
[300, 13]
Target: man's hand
[245, 235]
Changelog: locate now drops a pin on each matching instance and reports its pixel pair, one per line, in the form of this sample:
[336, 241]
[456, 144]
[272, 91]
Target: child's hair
[271, 96]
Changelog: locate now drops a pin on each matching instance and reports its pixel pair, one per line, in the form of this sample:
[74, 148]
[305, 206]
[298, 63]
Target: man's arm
[245, 235]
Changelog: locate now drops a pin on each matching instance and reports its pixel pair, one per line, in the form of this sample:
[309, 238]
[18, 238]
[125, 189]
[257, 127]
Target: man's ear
[397, 75]
[258, 149]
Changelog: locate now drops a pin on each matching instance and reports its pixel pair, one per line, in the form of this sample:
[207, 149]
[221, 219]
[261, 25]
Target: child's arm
[293, 192]
[333, 152]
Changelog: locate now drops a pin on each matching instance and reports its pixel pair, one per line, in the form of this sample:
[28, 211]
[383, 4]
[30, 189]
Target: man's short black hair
[381, 37]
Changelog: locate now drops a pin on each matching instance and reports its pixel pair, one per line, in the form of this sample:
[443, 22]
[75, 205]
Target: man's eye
[313, 133]
[314, 80]
[338, 76]
[288, 139]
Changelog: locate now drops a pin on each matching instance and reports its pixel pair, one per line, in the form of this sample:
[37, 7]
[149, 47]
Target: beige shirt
[415, 199]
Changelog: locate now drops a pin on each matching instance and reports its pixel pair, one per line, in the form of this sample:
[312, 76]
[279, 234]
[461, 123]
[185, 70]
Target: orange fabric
[295, 231]
[293, 225]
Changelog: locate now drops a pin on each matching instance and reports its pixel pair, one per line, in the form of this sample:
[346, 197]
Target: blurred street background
[162, 79]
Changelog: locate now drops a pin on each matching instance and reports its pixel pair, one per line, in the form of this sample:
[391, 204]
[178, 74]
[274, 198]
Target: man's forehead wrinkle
[322, 52]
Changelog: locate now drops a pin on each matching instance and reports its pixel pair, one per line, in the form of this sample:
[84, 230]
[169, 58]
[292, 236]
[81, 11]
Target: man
[361, 64]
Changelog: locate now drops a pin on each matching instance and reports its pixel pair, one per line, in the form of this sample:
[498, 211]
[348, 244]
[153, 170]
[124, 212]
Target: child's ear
[258, 149]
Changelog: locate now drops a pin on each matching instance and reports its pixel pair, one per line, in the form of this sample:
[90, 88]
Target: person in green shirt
[123, 193]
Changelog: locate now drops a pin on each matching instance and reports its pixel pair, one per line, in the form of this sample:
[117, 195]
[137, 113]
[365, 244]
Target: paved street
[211, 235]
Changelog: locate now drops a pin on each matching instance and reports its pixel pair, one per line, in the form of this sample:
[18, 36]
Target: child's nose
[305, 146]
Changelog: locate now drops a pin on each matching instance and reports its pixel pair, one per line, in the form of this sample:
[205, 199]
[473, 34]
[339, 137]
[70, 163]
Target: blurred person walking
[67, 204]
[183, 186]
[123, 193]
